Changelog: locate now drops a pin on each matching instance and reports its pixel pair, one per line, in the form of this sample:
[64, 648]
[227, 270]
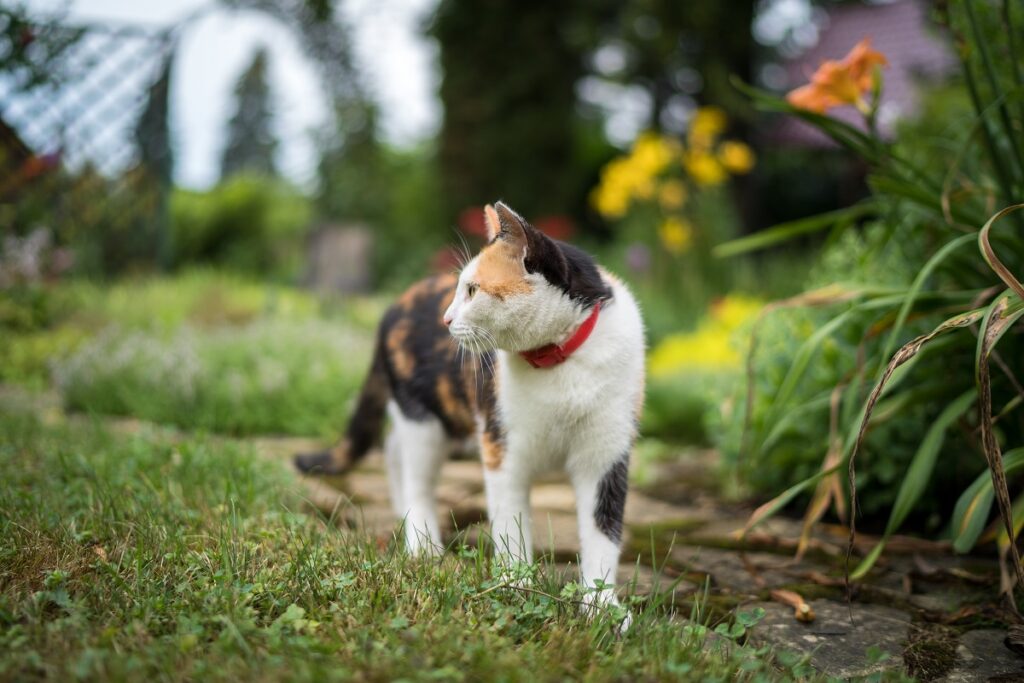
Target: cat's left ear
[492, 222]
[513, 228]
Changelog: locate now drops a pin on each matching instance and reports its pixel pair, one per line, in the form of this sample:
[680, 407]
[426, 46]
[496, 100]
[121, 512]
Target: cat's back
[428, 373]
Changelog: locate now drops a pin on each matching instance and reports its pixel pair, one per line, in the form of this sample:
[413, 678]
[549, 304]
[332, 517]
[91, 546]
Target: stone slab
[837, 646]
[982, 656]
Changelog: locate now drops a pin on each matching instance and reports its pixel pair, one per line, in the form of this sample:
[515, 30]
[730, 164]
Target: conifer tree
[251, 143]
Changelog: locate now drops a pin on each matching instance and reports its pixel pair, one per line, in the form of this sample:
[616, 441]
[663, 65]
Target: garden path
[923, 609]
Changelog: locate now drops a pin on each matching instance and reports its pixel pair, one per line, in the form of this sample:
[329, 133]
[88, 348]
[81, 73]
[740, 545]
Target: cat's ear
[512, 228]
[492, 222]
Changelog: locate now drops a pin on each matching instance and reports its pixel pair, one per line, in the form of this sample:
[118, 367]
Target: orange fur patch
[500, 271]
[411, 297]
[491, 452]
[401, 357]
[454, 408]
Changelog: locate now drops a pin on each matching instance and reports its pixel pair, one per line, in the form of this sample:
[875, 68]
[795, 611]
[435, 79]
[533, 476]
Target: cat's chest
[543, 399]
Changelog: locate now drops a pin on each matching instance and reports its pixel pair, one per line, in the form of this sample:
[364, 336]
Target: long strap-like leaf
[998, 320]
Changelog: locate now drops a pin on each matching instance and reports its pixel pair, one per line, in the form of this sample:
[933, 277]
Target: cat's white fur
[579, 417]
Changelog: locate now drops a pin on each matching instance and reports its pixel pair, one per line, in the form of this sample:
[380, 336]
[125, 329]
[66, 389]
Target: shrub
[276, 376]
[251, 224]
[932, 199]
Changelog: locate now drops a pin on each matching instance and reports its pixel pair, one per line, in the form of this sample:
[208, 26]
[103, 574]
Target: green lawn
[153, 556]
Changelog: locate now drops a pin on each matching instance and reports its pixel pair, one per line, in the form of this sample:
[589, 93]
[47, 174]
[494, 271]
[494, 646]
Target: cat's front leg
[600, 487]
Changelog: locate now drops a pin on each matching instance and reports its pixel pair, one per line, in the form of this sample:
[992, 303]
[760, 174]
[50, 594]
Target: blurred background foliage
[133, 296]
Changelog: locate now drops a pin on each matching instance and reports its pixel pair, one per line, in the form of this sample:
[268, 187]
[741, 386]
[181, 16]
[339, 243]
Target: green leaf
[751, 618]
[780, 501]
[915, 289]
[802, 360]
[784, 232]
[919, 473]
[975, 503]
[843, 133]
[793, 417]
[809, 348]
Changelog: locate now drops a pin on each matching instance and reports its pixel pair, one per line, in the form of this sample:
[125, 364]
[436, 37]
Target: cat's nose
[447, 319]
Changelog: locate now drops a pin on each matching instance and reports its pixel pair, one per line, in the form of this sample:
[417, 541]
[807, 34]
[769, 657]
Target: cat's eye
[471, 288]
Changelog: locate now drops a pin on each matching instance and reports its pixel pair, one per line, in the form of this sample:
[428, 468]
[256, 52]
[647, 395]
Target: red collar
[553, 354]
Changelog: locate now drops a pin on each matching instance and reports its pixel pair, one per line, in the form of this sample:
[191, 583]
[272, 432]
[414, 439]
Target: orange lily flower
[835, 84]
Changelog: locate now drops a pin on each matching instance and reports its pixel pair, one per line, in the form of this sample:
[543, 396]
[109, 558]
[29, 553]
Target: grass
[162, 557]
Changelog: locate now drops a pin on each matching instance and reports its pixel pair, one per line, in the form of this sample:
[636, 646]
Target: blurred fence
[84, 140]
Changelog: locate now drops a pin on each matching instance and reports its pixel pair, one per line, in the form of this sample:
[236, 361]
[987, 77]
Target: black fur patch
[567, 267]
[418, 364]
[433, 356]
[611, 499]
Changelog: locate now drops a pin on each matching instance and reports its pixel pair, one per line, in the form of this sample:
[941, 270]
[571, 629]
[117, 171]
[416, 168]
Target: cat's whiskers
[463, 252]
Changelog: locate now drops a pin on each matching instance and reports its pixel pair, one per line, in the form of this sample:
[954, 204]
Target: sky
[398, 63]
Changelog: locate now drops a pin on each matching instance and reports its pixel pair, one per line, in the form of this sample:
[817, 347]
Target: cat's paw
[512, 574]
[323, 463]
[601, 603]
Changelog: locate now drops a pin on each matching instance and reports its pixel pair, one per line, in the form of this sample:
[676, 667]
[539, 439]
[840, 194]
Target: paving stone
[455, 493]
[375, 520]
[643, 510]
[982, 656]
[553, 497]
[556, 533]
[368, 486]
[284, 448]
[733, 571]
[838, 647]
[463, 470]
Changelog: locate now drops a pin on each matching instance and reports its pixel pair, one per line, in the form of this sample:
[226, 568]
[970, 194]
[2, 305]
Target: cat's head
[523, 290]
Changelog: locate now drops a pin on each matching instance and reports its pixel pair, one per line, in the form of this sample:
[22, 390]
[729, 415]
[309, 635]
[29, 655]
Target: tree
[509, 91]
[251, 142]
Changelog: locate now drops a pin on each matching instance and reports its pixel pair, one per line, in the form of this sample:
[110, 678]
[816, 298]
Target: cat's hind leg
[508, 508]
[393, 460]
[422, 447]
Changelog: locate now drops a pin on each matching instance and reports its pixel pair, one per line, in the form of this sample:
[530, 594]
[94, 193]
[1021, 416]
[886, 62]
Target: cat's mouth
[472, 338]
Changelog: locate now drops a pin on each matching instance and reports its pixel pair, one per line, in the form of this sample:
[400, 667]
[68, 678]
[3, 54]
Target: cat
[537, 353]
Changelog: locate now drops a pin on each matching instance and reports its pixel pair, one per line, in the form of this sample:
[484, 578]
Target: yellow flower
[609, 201]
[734, 310]
[704, 168]
[707, 348]
[676, 234]
[707, 124]
[651, 153]
[672, 194]
[644, 189]
[714, 345]
[737, 157]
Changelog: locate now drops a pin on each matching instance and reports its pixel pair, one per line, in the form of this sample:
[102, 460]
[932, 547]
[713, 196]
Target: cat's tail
[364, 428]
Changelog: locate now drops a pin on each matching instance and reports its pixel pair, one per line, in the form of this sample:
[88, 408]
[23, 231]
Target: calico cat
[537, 353]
